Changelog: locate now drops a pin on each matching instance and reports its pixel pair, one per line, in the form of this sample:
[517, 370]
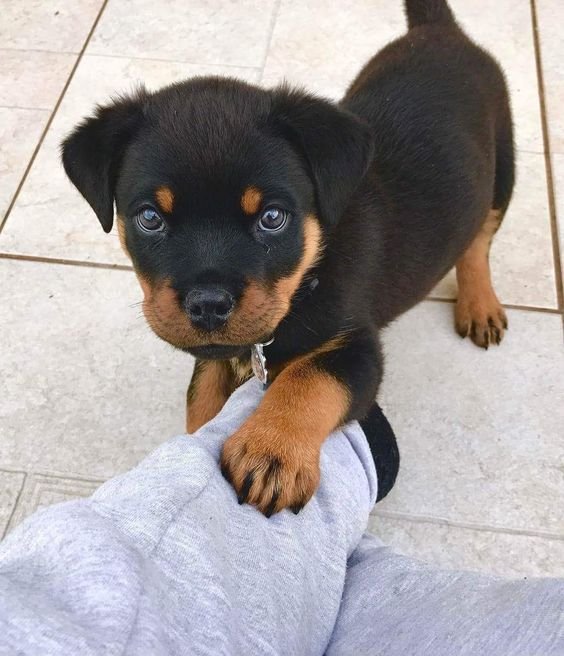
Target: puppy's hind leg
[478, 312]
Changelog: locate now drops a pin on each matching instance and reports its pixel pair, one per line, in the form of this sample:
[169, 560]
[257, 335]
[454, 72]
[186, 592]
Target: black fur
[93, 156]
[424, 12]
[383, 447]
[336, 145]
[401, 173]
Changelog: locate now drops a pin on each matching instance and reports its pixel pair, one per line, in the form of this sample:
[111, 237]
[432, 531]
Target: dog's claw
[225, 473]
[247, 484]
[272, 505]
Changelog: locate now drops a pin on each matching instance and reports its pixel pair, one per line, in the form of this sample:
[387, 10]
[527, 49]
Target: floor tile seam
[473, 526]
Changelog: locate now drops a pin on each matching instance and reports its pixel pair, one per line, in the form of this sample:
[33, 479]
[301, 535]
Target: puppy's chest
[241, 368]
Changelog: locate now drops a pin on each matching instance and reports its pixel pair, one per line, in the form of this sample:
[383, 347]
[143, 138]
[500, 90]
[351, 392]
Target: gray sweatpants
[162, 560]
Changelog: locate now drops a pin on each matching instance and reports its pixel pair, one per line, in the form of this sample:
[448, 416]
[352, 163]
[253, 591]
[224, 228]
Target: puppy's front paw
[269, 469]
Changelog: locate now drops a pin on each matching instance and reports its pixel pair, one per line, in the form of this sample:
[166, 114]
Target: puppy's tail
[423, 12]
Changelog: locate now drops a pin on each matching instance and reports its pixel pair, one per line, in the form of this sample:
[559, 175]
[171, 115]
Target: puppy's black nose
[209, 308]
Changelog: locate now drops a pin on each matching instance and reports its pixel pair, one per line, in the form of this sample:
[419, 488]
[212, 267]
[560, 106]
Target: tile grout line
[7, 470]
[73, 478]
[440, 521]
[547, 160]
[114, 266]
[16, 503]
[272, 26]
[136, 58]
[510, 306]
[527, 151]
[173, 61]
[45, 110]
[40, 50]
[4, 220]
[65, 261]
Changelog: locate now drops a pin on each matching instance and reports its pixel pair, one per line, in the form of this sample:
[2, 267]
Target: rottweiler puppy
[277, 218]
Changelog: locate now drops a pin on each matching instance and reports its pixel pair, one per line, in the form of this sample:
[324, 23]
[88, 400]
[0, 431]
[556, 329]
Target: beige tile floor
[86, 390]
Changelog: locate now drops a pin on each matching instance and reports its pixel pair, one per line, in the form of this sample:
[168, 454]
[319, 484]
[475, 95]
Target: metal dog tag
[258, 361]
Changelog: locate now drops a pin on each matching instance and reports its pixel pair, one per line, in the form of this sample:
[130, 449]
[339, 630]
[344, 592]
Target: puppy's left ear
[335, 143]
[92, 153]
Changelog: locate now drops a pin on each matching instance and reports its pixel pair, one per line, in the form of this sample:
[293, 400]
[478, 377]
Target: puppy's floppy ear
[336, 144]
[92, 152]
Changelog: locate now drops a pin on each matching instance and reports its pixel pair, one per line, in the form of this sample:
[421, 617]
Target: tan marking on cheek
[286, 287]
[165, 199]
[166, 300]
[251, 200]
[164, 314]
[145, 286]
[256, 314]
[254, 301]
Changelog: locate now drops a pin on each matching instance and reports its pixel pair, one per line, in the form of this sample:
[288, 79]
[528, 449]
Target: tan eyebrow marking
[251, 200]
[165, 199]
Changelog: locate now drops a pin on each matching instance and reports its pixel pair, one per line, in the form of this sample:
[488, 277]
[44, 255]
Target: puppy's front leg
[210, 386]
[273, 458]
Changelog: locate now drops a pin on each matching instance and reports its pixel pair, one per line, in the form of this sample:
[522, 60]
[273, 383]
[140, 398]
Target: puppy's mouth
[217, 351]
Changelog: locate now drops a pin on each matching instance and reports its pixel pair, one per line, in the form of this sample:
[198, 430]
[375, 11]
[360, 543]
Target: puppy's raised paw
[269, 469]
[483, 319]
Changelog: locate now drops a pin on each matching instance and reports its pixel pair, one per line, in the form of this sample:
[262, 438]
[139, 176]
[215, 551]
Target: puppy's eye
[273, 219]
[149, 220]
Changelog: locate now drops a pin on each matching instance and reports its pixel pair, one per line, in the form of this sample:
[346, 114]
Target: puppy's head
[224, 194]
